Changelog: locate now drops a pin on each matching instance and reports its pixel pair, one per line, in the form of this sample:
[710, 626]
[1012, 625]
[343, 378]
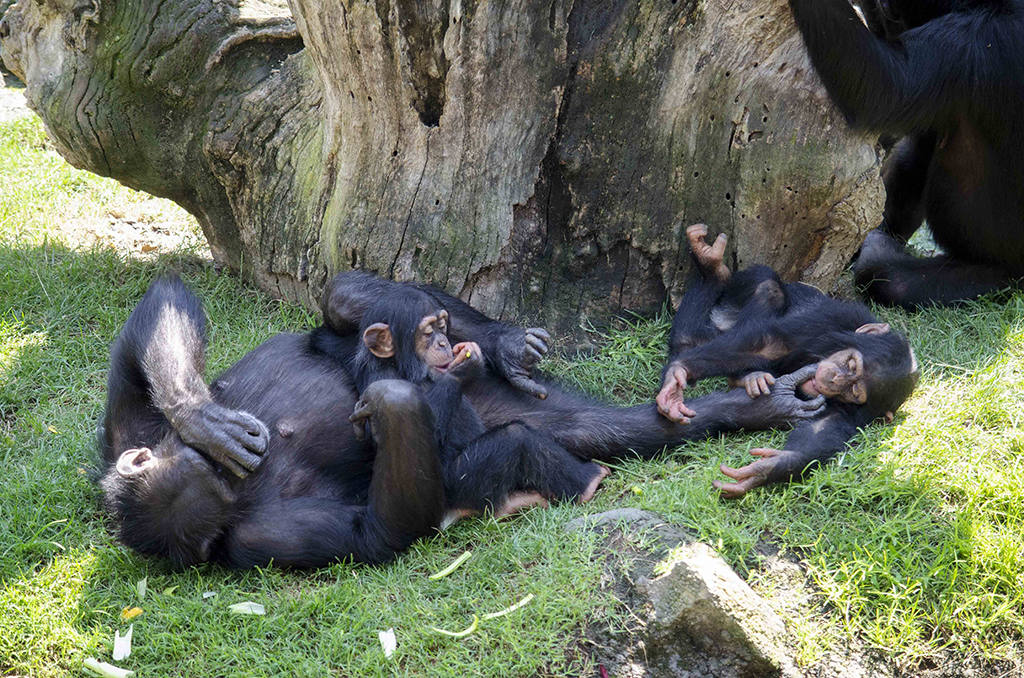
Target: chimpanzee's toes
[588, 494]
[518, 501]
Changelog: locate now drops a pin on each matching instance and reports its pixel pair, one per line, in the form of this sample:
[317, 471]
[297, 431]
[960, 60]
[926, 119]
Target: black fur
[803, 326]
[947, 77]
[264, 466]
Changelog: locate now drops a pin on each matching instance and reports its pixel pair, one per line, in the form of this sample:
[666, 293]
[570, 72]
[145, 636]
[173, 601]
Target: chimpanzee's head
[410, 335]
[876, 370]
[148, 489]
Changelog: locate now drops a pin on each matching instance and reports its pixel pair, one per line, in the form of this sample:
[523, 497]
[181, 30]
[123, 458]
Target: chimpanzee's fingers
[741, 473]
[728, 490]
[764, 452]
[800, 376]
[680, 413]
[540, 333]
[255, 436]
[814, 405]
[231, 465]
[237, 454]
[360, 415]
[718, 247]
[664, 397]
[532, 355]
[527, 385]
[536, 342]
[733, 490]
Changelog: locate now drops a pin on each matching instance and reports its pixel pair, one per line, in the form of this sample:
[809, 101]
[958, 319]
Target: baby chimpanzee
[752, 328]
[503, 469]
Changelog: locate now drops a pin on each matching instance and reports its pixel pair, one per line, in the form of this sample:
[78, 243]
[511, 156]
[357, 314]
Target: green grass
[914, 539]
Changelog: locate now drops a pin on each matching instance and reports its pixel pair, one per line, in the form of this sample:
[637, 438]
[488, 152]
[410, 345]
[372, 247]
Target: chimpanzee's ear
[135, 461]
[873, 328]
[377, 338]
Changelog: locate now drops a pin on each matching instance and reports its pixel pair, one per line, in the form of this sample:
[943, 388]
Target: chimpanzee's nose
[5, 29]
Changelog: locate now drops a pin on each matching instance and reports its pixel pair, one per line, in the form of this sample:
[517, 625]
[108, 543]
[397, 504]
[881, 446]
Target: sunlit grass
[913, 539]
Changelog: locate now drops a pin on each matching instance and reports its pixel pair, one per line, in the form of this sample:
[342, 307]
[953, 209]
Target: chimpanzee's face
[840, 376]
[432, 344]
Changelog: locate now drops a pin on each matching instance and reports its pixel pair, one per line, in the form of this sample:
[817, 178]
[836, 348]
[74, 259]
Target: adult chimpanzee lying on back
[948, 77]
[751, 327]
[264, 465]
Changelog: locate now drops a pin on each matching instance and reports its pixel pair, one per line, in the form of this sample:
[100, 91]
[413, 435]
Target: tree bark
[538, 158]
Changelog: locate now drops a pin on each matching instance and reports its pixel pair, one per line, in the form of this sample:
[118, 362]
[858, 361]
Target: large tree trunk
[537, 157]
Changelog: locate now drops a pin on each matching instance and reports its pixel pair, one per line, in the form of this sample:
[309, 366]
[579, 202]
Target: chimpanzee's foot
[709, 257]
[754, 474]
[517, 501]
[588, 493]
[453, 516]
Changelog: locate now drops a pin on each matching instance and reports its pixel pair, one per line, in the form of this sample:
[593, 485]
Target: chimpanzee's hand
[232, 438]
[518, 354]
[757, 383]
[360, 416]
[670, 397]
[754, 474]
[784, 405]
[468, 362]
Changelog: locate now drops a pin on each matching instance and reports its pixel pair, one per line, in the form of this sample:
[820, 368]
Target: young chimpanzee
[752, 327]
[264, 466]
[503, 469]
[946, 76]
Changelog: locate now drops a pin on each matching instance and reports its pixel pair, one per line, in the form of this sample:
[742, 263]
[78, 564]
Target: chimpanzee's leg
[156, 384]
[691, 325]
[906, 176]
[515, 466]
[406, 496]
[892, 277]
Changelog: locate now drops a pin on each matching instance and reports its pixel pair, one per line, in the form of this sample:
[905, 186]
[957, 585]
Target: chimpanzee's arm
[912, 84]
[597, 431]
[753, 347]
[160, 354]
[510, 351]
[691, 324]
[811, 443]
[444, 396]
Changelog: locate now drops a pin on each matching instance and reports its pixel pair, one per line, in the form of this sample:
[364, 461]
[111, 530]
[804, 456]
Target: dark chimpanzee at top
[947, 77]
[264, 466]
[752, 327]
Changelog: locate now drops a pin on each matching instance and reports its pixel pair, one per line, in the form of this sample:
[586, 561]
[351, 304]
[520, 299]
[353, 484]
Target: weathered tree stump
[539, 159]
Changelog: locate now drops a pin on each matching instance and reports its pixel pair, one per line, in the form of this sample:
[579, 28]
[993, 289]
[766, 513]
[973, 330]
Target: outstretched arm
[510, 351]
[811, 443]
[902, 86]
